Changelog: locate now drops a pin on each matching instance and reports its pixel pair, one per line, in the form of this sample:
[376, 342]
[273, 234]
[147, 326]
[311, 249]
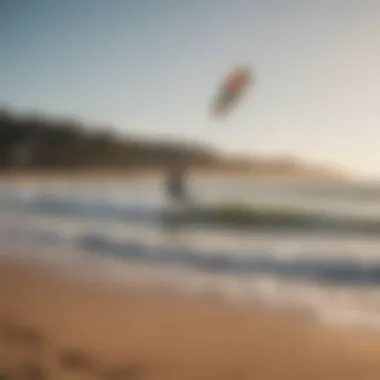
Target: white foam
[343, 305]
[210, 242]
[339, 306]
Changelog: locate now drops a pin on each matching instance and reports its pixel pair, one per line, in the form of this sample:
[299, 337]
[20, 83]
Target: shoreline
[154, 174]
[169, 337]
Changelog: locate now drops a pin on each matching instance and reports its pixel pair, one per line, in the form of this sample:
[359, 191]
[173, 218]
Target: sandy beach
[55, 329]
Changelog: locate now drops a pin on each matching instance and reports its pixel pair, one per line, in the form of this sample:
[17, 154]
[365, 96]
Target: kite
[231, 90]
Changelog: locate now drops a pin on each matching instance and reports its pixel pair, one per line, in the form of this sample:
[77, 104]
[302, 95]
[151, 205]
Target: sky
[152, 67]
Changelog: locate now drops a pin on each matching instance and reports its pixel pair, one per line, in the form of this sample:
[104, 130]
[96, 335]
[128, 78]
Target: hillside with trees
[38, 143]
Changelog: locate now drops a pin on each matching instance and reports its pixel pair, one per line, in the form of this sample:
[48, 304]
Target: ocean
[113, 231]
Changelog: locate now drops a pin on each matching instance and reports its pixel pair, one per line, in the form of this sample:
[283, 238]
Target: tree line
[38, 142]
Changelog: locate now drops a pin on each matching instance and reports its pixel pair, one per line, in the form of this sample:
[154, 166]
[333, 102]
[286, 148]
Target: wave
[282, 256]
[251, 262]
[335, 284]
[218, 216]
[348, 271]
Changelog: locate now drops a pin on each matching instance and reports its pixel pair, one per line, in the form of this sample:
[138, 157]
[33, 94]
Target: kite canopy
[231, 90]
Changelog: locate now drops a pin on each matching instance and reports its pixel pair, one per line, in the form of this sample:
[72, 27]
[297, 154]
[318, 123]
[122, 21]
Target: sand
[51, 328]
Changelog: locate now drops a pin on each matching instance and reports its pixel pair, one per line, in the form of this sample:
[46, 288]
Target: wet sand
[54, 329]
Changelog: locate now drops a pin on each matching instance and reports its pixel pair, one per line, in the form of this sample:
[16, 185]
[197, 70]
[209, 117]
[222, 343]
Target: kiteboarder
[175, 186]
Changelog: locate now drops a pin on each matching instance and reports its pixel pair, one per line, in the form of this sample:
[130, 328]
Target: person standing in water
[176, 187]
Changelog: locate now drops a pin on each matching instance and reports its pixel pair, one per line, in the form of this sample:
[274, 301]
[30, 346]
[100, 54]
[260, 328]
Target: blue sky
[151, 67]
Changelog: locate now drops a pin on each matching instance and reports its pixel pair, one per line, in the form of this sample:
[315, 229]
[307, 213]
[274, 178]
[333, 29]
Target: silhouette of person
[176, 186]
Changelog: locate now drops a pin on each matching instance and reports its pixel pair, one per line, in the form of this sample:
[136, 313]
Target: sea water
[113, 231]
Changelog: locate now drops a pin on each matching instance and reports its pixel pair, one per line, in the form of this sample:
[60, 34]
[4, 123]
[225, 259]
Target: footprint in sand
[76, 360]
[32, 371]
[5, 376]
[126, 372]
[23, 335]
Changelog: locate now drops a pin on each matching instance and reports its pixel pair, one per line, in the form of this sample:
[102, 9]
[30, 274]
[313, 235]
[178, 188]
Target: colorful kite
[232, 89]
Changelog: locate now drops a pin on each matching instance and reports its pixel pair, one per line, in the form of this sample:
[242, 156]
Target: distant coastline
[36, 147]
